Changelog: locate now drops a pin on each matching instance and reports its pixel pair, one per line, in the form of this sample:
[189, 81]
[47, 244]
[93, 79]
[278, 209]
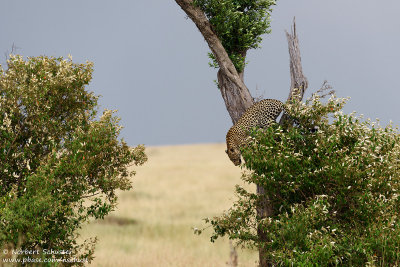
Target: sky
[150, 61]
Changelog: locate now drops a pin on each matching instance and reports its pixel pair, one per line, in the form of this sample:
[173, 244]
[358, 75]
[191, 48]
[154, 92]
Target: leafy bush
[334, 192]
[59, 166]
[239, 25]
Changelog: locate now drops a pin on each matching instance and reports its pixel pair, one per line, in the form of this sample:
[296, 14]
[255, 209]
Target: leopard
[261, 114]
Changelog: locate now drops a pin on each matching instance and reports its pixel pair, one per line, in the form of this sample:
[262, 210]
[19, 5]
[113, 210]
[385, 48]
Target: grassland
[172, 192]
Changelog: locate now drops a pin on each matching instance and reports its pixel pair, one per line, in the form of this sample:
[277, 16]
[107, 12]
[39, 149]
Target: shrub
[59, 165]
[334, 192]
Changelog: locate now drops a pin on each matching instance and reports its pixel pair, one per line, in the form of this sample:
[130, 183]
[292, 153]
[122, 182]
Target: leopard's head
[234, 155]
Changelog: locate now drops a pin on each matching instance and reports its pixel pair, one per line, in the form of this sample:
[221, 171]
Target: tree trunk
[235, 104]
[264, 210]
[298, 86]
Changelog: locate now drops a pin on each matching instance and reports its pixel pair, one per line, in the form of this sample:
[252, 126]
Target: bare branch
[299, 82]
[325, 87]
[14, 49]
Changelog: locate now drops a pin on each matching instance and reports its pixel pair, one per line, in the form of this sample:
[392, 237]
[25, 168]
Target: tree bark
[230, 94]
[234, 92]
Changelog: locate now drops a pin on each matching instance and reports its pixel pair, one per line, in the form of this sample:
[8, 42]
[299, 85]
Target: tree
[59, 165]
[334, 193]
[231, 27]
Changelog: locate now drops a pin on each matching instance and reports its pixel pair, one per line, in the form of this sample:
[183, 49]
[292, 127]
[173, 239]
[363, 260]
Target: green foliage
[59, 166]
[334, 193]
[239, 25]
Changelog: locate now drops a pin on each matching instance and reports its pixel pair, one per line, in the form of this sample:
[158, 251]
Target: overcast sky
[151, 63]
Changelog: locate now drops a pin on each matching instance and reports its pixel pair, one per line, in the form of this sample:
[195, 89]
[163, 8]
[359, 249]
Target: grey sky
[151, 63]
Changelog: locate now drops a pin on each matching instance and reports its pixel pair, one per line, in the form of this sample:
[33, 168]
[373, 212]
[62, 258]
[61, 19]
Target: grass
[172, 192]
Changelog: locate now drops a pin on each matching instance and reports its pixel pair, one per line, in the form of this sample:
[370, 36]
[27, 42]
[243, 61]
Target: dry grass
[173, 192]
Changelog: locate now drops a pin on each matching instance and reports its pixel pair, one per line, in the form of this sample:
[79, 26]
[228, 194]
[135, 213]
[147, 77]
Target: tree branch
[299, 82]
[204, 26]
[226, 66]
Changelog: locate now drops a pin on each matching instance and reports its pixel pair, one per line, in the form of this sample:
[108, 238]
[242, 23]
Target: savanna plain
[172, 193]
